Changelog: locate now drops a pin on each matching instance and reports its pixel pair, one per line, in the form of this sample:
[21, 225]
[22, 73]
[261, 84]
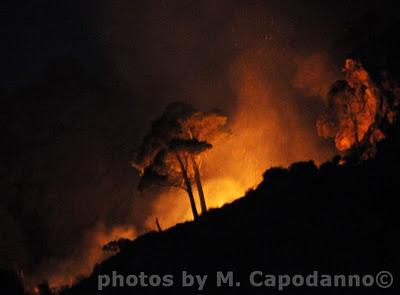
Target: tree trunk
[189, 189]
[356, 134]
[158, 225]
[199, 186]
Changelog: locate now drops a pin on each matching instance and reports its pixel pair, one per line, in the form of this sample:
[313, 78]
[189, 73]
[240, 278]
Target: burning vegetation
[358, 111]
[269, 128]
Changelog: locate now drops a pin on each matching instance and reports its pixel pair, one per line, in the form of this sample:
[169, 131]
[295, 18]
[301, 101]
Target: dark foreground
[335, 219]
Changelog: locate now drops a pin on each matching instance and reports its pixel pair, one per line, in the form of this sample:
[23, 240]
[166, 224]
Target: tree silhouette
[171, 154]
[353, 105]
[171, 167]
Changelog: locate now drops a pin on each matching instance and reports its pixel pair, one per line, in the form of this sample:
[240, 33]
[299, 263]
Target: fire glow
[265, 132]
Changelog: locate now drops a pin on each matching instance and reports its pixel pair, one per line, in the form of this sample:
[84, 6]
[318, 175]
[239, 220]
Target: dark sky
[34, 32]
[81, 81]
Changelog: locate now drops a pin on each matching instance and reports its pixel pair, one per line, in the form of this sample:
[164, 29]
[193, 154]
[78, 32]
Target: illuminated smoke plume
[82, 259]
[267, 129]
[258, 61]
[314, 74]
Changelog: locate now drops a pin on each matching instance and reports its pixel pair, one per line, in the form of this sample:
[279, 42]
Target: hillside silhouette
[341, 217]
[336, 219]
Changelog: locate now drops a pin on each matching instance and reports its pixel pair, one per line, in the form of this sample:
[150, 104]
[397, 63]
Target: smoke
[261, 63]
[66, 182]
[268, 127]
[314, 75]
[272, 116]
[82, 259]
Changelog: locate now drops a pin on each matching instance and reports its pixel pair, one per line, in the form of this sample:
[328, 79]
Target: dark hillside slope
[336, 219]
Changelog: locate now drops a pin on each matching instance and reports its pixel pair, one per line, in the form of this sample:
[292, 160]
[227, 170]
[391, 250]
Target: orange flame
[352, 109]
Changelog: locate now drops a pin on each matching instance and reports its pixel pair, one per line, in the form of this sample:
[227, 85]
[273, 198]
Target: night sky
[82, 80]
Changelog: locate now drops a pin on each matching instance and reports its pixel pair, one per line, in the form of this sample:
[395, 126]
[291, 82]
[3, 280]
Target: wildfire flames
[357, 108]
[265, 131]
[272, 75]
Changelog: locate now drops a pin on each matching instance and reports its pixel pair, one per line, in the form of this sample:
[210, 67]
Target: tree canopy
[170, 154]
